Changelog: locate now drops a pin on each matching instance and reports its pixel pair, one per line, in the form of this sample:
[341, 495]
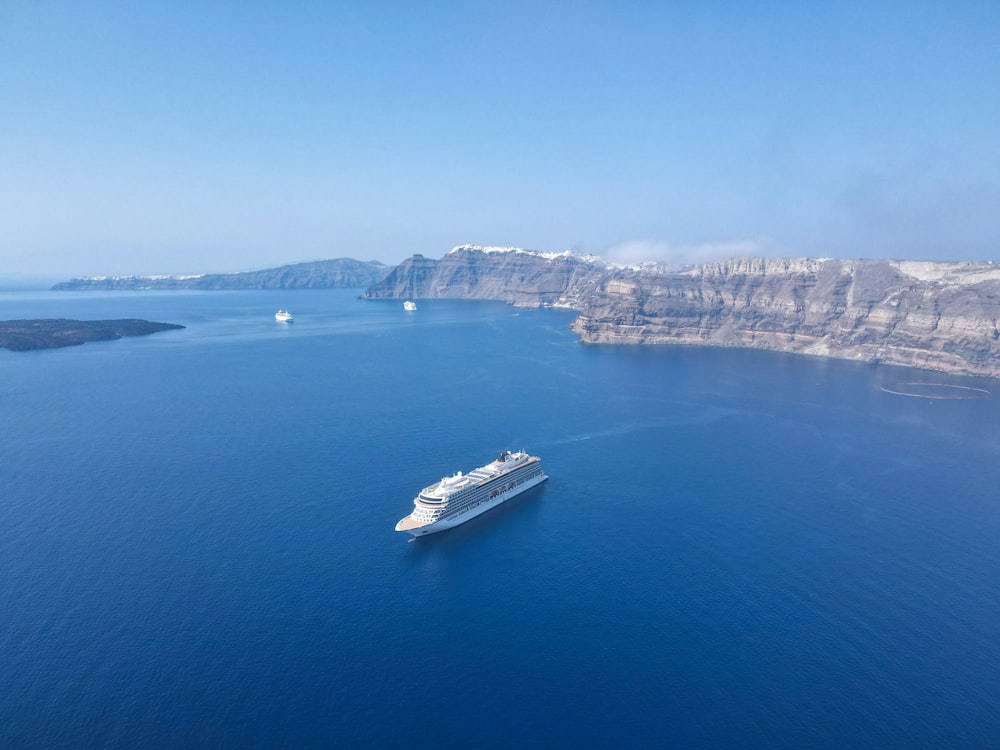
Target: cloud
[655, 251]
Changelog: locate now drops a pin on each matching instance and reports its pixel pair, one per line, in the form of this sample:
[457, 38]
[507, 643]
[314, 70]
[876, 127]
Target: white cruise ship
[283, 316]
[409, 305]
[458, 498]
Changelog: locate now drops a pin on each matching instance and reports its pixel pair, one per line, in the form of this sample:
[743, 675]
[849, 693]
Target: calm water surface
[734, 548]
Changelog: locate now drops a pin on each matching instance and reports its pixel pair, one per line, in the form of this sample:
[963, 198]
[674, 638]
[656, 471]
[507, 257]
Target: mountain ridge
[938, 315]
[320, 274]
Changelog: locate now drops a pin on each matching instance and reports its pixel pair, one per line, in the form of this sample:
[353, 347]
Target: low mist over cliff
[941, 316]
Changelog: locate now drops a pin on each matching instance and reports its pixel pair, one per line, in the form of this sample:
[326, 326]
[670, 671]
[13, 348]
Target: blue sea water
[734, 549]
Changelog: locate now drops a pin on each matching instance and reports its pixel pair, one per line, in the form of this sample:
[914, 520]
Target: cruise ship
[458, 498]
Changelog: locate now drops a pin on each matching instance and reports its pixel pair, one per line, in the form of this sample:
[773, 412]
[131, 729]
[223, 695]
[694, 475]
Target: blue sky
[175, 137]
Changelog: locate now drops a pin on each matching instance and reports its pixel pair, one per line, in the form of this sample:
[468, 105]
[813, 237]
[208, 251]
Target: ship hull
[448, 523]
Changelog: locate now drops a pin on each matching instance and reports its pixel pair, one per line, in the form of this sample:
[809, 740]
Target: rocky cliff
[941, 316]
[522, 278]
[322, 274]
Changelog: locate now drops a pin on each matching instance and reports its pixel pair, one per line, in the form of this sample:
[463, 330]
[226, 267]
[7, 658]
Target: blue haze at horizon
[733, 548]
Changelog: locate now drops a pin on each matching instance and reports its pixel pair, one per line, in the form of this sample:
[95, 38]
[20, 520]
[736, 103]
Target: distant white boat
[283, 316]
[409, 305]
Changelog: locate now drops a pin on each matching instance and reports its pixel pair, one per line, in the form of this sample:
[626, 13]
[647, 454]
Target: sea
[733, 549]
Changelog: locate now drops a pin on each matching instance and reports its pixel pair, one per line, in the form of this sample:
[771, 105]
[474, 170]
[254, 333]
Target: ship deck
[409, 523]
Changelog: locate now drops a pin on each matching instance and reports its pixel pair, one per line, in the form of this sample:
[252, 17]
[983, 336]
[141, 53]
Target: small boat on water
[283, 316]
[410, 305]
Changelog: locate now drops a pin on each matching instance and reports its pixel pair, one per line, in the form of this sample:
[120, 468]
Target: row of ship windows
[481, 492]
[468, 505]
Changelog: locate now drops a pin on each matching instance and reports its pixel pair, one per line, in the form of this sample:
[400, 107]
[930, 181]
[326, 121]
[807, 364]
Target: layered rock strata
[519, 277]
[940, 316]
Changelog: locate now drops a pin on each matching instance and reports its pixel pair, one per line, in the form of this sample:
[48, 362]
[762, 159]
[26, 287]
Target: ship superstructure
[456, 499]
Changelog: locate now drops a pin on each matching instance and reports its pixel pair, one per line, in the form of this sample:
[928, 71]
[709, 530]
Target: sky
[192, 137]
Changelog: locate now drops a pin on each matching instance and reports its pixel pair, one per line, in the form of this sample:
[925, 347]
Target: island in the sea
[52, 333]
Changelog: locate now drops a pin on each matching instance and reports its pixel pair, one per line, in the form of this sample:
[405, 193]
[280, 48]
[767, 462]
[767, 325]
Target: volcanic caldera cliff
[520, 277]
[940, 316]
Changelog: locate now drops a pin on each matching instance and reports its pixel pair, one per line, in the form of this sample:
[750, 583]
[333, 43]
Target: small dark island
[51, 333]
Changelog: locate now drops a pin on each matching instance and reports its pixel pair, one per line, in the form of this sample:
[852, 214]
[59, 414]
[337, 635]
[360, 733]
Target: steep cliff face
[941, 316]
[516, 276]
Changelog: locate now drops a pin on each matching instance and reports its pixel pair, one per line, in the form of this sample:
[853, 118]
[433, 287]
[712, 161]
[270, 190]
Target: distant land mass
[519, 277]
[52, 333]
[932, 315]
[320, 274]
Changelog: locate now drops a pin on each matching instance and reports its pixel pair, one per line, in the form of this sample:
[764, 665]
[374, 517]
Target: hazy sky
[173, 137]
